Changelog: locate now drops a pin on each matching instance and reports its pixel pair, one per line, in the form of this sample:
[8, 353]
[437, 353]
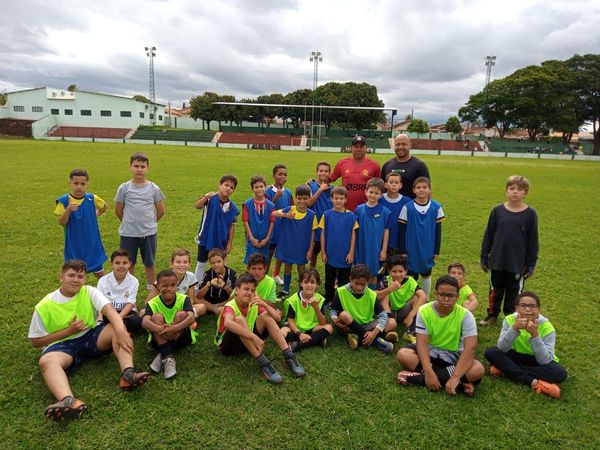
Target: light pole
[151, 53]
[315, 58]
[490, 61]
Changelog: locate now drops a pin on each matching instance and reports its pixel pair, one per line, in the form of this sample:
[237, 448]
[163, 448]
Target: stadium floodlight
[315, 58]
[151, 53]
[490, 61]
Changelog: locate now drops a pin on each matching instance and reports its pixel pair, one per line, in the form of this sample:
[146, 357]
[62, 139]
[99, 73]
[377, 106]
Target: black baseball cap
[359, 139]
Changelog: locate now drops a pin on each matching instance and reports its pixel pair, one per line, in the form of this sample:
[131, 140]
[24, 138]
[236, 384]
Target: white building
[51, 108]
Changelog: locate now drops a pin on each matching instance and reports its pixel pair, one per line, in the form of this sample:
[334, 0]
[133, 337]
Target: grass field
[349, 399]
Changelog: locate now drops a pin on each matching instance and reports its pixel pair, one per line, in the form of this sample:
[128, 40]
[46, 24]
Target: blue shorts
[146, 245]
[81, 348]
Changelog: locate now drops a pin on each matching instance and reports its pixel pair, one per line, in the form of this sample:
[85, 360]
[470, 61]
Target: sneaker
[402, 377]
[278, 280]
[271, 374]
[156, 364]
[352, 341]
[495, 372]
[132, 378]
[551, 389]
[391, 336]
[489, 320]
[295, 346]
[67, 408]
[409, 337]
[169, 367]
[295, 367]
[383, 345]
[282, 295]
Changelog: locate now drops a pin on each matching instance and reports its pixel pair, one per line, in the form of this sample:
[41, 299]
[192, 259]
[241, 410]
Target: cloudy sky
[425, 55]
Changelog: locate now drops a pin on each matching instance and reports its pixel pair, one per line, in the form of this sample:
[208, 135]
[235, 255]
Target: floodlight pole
[490, 61]
[151, 53]
[316, 58]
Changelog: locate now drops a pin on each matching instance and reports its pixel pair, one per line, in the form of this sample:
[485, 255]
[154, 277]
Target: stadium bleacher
[259, 139]
[174, 135]
[90, 132]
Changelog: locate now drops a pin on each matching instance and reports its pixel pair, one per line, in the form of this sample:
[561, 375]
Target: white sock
[426, 286]
[200, 266]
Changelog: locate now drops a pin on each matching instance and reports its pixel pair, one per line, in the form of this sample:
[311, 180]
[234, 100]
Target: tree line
[329, 94]
[556, 95]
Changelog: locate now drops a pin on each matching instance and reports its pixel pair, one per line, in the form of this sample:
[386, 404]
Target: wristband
[298, 333]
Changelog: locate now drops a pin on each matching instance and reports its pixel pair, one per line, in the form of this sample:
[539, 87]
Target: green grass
[349, 399]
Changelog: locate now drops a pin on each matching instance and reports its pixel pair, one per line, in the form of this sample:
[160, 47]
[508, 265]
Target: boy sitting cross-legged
[64, 323]
[168, 318]
[245, 323]
[356, 312]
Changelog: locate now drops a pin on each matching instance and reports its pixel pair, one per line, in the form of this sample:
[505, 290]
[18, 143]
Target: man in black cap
[409, 167]
[356, 171]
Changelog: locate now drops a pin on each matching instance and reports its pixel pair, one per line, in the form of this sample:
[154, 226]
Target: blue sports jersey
[82, 235]
[294, 240]
[322, 204]
[421, 222]
[372, 222]
[217, 217]
[284, 201]
[259, 225]
[395, 206]
[337, 229]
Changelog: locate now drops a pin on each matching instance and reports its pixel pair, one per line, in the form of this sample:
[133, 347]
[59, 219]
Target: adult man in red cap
[355, 172]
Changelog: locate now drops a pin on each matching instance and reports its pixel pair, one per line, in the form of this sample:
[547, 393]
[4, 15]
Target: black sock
[126, 369]
[356, 329]
[288, 353]
[165, 350]
[262, 360]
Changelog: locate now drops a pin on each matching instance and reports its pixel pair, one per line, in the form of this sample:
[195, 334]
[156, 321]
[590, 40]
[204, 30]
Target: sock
[357, 329]
[262, 360]
[287, 280]
[317, 337]
[165, 350]
[288, 353]
[127, 369]
[200, 266]
[426, 285]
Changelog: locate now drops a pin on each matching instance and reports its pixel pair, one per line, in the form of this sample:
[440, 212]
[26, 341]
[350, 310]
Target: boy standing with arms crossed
[218, 221]
[394, 201]
[64, 323]
[509, 249]
[338, 237]
[139, 205]
[258, 222]
[78, 212]
[319, 202]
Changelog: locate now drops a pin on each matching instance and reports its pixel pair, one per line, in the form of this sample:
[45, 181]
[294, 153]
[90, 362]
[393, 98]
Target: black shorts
[202, 254]
[424, 274]
[184, 339]
[316, 247]
[232, 345]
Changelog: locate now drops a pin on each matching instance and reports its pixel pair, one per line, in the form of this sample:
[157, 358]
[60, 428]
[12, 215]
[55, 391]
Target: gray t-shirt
[468, 328]
[139, 213]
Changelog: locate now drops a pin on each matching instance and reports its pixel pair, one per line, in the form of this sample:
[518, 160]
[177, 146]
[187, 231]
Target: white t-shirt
[188, 280]
[37, 328]
[119, 293]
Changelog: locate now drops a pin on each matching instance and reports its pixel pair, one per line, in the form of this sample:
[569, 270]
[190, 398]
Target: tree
[3, 99]
[268, 113]
[361, 94]
[585, 70]
[72, 88]
[418, 126]
[201, 107]
[299, 97]
[141, 98]
[453, 125]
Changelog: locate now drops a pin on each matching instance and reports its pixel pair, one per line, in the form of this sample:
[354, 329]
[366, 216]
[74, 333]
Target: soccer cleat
[282, 295]
[383, 345]
[271, 374]
[65, 409]
[391, 336]
[495, 372]
[278, 280]
[551, 389]
[402, 377]
[156, 364]
[132, 378]
[295, 367]
[409, 337]
[352, 341]
[169, 367]
[489, 320]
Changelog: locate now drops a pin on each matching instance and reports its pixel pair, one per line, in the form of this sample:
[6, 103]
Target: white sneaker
[169, 367]
[156, 364]
[278, 280]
